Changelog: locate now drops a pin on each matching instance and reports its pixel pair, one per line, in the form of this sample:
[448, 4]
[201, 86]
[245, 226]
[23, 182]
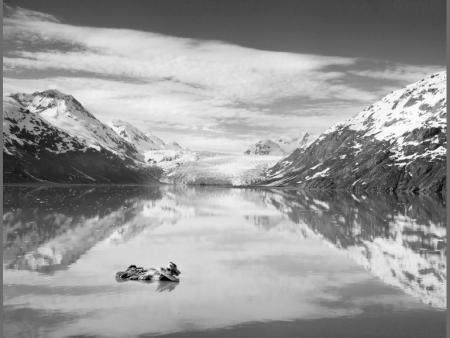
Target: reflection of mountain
[401, 239]
[49, 228]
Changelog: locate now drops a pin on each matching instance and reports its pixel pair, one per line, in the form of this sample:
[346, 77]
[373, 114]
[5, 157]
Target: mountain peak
[265, 147]
[65, 112]
[53, 93]
[402, 110]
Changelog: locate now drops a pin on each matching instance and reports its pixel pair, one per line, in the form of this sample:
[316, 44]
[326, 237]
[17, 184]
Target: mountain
[145, 143]
[286, 143]
[172, 145]
[49, 137]
[290, 143]
[398, 143]
[66, 113]
[265, 147]
[142, 142]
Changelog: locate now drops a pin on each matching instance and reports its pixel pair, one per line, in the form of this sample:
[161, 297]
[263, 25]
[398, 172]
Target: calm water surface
[253, 263]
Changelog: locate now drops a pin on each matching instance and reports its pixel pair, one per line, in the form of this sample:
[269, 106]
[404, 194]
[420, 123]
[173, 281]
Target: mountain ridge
[397, 143]
[49, 137]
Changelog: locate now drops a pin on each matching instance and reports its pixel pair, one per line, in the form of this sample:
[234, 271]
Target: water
[260, 263]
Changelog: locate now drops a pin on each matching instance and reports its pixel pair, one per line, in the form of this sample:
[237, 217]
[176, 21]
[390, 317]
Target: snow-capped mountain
[398, 143]
[265, 147]
[50, 137]
[172, 145]
[286, 143]
[17, 122]
[156, 140]
[145, 143]
[290, 143]
[65, 112]
[142, 142]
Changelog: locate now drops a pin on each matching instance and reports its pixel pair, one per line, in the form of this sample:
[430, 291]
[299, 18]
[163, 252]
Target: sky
[222, 75]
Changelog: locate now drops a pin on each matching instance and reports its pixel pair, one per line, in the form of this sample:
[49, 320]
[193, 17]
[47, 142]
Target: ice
[182, 167]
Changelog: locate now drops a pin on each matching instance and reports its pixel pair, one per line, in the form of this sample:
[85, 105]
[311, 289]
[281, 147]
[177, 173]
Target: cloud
[404, 74]
[23, 14]
[218, 69]
[205, 95]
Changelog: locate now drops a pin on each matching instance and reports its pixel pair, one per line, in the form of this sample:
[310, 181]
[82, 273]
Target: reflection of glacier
[400, 239]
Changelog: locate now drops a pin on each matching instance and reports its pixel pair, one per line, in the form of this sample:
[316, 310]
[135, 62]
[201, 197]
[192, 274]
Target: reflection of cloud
[208, 68]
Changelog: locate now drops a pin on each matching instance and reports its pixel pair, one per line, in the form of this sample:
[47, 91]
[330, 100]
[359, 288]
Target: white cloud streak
[405, 74]
[216, 69]
[184, 89]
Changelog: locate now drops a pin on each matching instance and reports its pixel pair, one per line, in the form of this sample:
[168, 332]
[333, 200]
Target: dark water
[266, 263]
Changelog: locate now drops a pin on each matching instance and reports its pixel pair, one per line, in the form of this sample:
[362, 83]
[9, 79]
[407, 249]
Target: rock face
[265, 147]
[398, 143]
[50, 137]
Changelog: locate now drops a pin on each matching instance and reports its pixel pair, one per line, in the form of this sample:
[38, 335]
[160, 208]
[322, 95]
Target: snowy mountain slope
[172, 145]
[36, 150]
[26, 129]
[66, 113]
[145, 143]
[286, 143]
[290, 143]
[398, 143]
[265, 147]
[134, 136]
[155, 139]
